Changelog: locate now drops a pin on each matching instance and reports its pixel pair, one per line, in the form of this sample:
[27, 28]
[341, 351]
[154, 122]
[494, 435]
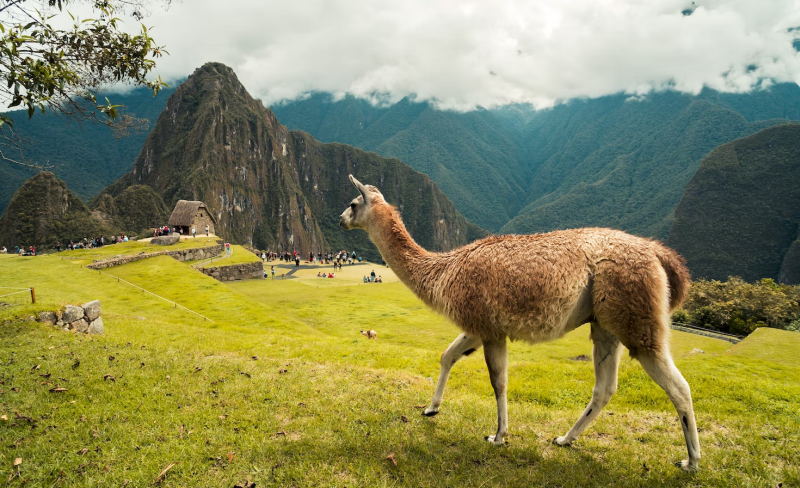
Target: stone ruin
[85, 318]
[165, 240]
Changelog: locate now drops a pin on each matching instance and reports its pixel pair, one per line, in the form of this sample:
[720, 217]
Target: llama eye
[353, 206]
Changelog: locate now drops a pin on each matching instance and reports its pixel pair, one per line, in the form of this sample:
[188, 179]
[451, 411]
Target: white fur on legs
[662, 369]
[463, 345]
[497, 362]
[606, 355]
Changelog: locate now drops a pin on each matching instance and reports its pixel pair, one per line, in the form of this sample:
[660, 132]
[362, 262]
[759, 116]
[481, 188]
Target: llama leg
[463, 345]
[661, 368]
[497, 362]
[606, 362]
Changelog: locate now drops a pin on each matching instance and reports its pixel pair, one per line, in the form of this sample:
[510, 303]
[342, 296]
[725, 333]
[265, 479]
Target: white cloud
[463, 54]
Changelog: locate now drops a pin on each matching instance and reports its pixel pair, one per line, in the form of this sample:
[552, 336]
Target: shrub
[739, 307]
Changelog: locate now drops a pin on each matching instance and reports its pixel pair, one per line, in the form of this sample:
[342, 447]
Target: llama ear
[361, 188]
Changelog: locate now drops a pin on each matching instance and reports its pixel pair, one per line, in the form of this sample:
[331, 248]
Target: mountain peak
[215, 67]
[270, 187]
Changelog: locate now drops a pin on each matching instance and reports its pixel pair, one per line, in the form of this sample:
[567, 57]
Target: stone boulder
[47, 317]
[165, 240]
[91, 310]
[97, 326]
[81, 326]
[71, 313]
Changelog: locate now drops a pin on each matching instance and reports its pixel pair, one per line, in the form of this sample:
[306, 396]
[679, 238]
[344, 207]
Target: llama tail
[677, 273]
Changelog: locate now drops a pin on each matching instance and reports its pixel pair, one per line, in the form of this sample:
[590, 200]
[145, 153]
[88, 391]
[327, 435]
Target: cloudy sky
[462, 54]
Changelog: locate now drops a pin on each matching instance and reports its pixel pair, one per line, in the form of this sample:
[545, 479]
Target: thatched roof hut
[190, 214]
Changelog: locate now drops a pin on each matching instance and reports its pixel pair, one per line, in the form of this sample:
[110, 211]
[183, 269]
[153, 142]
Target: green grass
[323, 406]
[239, 255]
[85, 256]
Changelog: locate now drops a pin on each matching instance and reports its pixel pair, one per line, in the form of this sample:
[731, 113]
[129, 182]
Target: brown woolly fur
[539, 287]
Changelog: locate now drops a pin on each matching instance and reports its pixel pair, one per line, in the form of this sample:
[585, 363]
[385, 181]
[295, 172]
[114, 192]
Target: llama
[537, 288]
[369, 334]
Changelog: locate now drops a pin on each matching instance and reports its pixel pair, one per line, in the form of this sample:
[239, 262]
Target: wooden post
[33, 295]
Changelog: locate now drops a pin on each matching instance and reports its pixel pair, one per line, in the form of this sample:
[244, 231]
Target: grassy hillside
[278, 388]
[239, 255]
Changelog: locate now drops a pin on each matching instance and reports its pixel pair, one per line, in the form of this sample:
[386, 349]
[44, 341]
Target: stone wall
[200, 220]
[244, 271]
[180, 255]
[85, 318]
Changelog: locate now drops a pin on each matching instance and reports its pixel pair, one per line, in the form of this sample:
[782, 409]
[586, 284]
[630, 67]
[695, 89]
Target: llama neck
[396, 245]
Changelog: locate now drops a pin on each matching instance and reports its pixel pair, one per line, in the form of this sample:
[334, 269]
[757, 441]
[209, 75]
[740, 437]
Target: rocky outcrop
[180, 255]
[83, 319]
[272, 188]
[235, 272]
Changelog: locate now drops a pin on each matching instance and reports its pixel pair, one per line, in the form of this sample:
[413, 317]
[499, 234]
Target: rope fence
[19, 291]
[14, 293]
[174, 303]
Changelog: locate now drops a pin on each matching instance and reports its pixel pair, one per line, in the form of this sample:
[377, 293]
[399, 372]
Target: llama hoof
[687, 465]
[491, 439]
[562, 441]
[430, 412]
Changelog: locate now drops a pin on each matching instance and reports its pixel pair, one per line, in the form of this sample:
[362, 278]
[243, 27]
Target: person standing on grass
[206, 230]
[272, 270]
[194, 231]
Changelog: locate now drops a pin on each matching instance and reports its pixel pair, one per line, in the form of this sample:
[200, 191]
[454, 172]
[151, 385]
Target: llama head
[358, 213]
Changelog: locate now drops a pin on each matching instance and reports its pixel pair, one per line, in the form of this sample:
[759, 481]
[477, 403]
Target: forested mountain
[270, 187]
[472, 156]
[86, 155]
[740, 214]
[43, 212]
[623, 163]
[616, 161]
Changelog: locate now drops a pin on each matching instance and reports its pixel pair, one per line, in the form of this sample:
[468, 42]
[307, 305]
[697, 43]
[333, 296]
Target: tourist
[206, 230]
[272, 269]
[263, 256]
[194, 231]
